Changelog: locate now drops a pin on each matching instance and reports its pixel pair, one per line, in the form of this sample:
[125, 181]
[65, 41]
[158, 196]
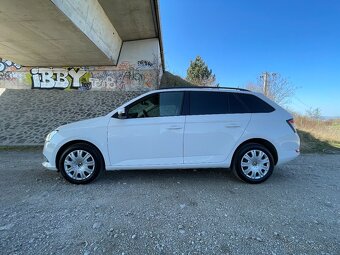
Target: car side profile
[178, 128]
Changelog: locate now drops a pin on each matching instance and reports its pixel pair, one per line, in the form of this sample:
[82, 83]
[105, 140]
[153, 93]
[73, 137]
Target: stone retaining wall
[27, 116]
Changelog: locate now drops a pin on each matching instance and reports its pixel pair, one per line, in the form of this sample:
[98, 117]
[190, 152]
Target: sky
[240, 39]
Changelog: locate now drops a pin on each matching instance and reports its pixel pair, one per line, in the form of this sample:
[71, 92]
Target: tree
[314, 113]
[274, 86]
[199, 74]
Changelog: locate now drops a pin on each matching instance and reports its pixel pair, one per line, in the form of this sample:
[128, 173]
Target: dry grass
[318, 135]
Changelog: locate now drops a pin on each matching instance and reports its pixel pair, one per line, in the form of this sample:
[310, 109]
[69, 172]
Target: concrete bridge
[103, 36]
[65, 60]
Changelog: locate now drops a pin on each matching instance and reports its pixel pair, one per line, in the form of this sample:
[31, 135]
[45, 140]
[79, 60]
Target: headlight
[50, 135]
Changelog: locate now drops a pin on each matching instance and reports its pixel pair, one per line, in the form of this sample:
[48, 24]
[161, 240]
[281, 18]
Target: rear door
[215, 122]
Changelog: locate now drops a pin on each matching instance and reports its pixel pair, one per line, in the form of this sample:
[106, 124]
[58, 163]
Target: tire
[80, 163]
[253, 163]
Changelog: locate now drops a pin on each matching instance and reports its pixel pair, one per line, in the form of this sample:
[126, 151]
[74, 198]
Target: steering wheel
[145, 113]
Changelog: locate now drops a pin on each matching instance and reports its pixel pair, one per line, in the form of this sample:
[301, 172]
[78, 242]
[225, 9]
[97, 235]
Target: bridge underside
[73, 32]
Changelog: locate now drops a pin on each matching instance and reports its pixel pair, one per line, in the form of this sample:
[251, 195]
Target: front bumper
[49, 153]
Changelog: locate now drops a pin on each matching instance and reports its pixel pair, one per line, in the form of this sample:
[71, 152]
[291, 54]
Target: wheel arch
[261, 141]
[66, 145]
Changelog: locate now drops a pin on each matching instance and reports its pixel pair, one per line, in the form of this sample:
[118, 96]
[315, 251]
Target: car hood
[89, 123]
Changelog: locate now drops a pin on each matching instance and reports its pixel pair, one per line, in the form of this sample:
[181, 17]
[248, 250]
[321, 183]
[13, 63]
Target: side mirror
[121, 113]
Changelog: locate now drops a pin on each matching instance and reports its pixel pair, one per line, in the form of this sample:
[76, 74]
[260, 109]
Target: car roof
[202, 88]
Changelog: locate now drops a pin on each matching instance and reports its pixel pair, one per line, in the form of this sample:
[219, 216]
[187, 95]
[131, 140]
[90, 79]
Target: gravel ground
[297, 211]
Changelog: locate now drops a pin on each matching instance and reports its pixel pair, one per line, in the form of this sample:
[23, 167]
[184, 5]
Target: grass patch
[311, 144]
[318, 136]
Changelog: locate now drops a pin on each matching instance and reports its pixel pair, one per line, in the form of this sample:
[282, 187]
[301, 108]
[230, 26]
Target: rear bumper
[289, 150]
[48, 166]
[287, 156]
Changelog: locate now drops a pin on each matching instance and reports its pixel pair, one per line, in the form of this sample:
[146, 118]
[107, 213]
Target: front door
[151, 134]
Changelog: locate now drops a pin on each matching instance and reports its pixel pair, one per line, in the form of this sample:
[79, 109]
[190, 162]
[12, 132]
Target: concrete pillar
[91, 19]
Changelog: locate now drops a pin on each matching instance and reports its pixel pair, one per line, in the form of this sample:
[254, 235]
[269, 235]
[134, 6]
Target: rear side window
[254, 104]
[202, 102]
[236, 105]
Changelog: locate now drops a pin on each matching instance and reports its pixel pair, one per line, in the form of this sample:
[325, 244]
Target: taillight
[291, 124]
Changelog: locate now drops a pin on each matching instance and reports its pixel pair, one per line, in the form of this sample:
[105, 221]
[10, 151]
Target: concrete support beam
[133, 19]
[37, 33]
[91, 19]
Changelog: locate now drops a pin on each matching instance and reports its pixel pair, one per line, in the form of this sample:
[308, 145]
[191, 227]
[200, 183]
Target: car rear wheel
[253, 163]
[80, 163]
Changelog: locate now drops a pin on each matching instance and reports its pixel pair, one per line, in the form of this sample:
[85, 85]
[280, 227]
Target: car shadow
[165, 175]
[216, 176]
[168, 176]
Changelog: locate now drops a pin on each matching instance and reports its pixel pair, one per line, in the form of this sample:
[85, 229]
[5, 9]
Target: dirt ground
[297, 211]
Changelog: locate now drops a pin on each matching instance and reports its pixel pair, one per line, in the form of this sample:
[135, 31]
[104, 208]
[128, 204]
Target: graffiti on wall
[8, 71]
[145, 63]
[125, 76]
[59, 78]
[5, 64]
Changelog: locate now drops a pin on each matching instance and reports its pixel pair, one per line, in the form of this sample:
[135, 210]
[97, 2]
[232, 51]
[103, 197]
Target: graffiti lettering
[86, 86]
[133, 75]
[47, 78]
[144, 63]
[123, 80]
[125, 76]
[6, 76]
[76, 75]
[6, 63]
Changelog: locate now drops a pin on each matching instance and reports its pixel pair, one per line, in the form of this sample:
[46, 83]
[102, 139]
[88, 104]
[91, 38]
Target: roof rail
[204, 87]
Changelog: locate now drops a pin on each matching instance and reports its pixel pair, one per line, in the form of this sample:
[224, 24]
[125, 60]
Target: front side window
[157, 105]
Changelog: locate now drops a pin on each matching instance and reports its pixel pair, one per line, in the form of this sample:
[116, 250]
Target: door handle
[233, 125]
[174, 128]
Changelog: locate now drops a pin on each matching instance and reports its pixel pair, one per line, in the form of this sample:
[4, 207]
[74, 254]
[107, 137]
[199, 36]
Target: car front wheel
[253, 163]
[80, 163]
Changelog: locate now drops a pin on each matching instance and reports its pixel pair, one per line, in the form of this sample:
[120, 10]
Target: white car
[178, 128]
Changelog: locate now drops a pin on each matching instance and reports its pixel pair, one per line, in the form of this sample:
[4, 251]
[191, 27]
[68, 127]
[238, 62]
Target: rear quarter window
[254, 103]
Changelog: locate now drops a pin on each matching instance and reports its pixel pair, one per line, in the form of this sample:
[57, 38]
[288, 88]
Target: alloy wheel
[255, 164]
[79, 165]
